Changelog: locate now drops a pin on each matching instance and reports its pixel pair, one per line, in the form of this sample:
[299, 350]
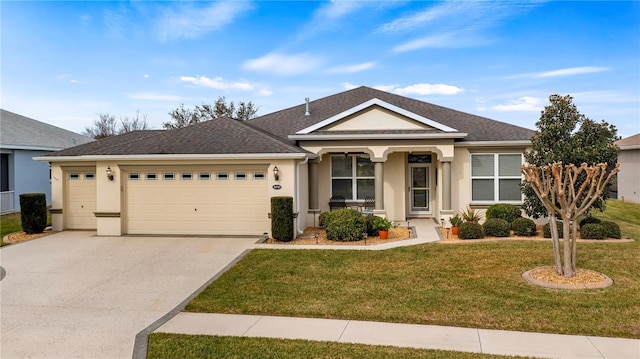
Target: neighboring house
[629, 175]
[21, 139]
[414, 158]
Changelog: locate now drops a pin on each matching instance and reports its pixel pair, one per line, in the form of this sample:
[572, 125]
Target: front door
[419, 189]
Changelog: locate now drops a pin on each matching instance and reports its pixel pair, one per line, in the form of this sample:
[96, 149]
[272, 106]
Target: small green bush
[496, 227]
[322, 219]
[372, 230]
[470, 230]
[592, 231]
[282, 218]
[508, 212]
[546, 230]
[589, 219]
[471, 215]
[346, 225]
[524, 227]
[33, 212]
[611, 229]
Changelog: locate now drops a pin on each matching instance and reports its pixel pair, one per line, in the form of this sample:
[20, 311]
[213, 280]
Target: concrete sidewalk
[405, 335]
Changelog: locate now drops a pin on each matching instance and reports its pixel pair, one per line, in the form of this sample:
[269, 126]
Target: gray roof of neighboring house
[629, 141]
[18, 131]
[289, 121]
[218, 136]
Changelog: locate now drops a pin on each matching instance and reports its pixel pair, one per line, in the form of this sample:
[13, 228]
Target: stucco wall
[629, 175]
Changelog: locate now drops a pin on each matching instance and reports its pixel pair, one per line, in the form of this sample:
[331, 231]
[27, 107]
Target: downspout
[306, 160]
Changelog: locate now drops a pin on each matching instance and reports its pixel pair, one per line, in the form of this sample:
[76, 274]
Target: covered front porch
[405, 179]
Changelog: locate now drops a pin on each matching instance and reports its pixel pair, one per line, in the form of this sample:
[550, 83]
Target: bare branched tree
[106, 125]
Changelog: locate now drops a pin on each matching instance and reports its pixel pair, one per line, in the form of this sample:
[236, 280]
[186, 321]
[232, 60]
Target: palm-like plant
[471, 215]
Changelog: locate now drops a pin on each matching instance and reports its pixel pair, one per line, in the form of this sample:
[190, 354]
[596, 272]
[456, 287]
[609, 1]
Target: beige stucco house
[628, 179]
[415, 159]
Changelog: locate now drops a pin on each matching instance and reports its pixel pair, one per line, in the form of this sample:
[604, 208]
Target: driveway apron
[73, 294]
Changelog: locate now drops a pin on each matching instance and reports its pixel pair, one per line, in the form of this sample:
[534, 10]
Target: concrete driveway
[72, 294]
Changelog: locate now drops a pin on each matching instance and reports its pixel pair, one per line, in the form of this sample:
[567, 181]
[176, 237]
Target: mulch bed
[395, 234]
[21, 236]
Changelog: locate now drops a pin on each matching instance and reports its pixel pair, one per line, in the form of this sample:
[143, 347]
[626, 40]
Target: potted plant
[455, 222]
[382, 225]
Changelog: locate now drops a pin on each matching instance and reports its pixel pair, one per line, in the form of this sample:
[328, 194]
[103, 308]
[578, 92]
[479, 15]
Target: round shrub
[546, 230]
[371, 228]
[470, 230]
[508, 212]
[345, 225]
[322, 219]
[589, 219]
[611, 229]
[592, 231]
[33, 212]
[496, 227]
[524, 227]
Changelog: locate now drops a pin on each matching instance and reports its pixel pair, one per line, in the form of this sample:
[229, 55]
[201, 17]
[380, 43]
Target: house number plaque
[276, 186]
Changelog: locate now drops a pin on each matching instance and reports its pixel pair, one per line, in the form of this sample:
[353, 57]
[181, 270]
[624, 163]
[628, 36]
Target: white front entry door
[419, 189]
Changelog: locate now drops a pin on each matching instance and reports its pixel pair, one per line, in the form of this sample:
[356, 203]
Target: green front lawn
[9, 223]
[626, 214]
[163, 345]
[475, 285]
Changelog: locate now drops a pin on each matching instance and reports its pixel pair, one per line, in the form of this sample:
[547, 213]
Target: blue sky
[65, 62]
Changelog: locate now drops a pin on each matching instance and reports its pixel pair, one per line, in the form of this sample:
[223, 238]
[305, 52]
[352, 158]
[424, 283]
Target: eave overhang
[507, 143]
[175, 157]
[377, 136]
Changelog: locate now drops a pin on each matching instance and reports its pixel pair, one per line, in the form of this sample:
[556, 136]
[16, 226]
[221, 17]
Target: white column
[446, 186]
[313, 185]
[379, 185]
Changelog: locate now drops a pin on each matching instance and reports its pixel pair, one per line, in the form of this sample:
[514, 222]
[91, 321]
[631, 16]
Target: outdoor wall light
[276, 173]
[109, 173]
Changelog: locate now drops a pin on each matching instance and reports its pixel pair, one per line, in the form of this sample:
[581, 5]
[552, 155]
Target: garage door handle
[195, 209]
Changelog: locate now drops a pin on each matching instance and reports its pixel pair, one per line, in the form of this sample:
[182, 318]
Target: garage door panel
[197, 206]
[80, 193]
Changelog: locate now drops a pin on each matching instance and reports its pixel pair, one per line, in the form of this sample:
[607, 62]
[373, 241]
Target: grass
[11, 223]
[163, 345]
[626, 214]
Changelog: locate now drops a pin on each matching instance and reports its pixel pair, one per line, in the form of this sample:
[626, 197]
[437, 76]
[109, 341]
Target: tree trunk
[569, 267]
[555, 238]
[574, 244]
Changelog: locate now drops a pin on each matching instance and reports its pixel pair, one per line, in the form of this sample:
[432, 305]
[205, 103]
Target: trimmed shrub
[470, 230]
[496, 227]
[592, 231]
[322, 219]
[372, 230]
[346, 225]
[611, 229]
[33, 212]
[589, 219]
[524, 227]
[282, 218]
[546, 230]
[508, 212]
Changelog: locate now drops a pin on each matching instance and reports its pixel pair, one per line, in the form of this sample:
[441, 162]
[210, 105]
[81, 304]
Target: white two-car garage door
[196, 201]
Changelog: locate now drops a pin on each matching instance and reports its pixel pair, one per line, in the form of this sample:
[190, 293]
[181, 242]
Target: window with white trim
[186, 176]
[169, 176]
[259, 176]
[151, 176]
[352, 176]
[496, 177]
[204, 176]
[89, 175]
[222, 176]
[241, 176]
[133, 176]
[74, 176]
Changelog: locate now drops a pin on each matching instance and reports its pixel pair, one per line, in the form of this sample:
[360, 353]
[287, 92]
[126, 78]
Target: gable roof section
[371, 103]
[20, 132]
[481, 129]
[221, 136]
[629, 143]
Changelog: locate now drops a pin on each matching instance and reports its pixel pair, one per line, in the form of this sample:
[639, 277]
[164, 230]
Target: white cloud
[522, 104]
[348, 86]
[429, 89]
[146, 76]
[387, 88]
[68, 78]
[570, 71]
[454, 39]
[349, 69]
[281, 64]
[193, 21]
[217, 83]
[153, 97]
[265, 92]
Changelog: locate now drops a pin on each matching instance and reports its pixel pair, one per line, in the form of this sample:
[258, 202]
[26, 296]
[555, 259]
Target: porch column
[313, 185]
[446, 186]
[379, 185]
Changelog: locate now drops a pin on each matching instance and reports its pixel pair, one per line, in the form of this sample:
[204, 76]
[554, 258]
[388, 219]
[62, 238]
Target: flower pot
[454, 231]
[384, 234]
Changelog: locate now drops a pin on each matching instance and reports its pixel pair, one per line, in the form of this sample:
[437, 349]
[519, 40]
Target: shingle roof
[20, 131]
[629, 141]
[289, 121]
[219, 136]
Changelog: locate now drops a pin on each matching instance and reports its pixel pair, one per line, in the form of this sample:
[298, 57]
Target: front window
[495, 177]
[352, 176]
